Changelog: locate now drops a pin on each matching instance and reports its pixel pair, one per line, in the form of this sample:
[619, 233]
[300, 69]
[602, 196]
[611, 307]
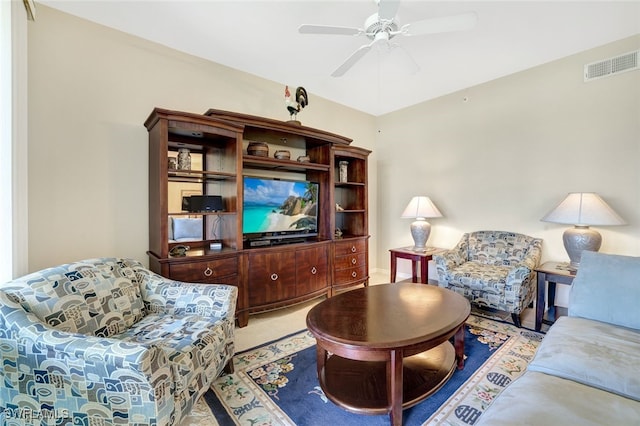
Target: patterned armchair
[106, 341]
[493, 269]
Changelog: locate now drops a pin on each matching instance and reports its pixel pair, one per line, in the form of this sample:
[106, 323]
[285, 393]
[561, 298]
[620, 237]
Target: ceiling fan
[381, 27]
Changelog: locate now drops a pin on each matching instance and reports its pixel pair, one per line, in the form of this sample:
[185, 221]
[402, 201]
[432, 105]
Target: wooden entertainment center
[270, 276]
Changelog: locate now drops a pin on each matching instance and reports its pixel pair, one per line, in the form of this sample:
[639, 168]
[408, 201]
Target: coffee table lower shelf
[361, 386]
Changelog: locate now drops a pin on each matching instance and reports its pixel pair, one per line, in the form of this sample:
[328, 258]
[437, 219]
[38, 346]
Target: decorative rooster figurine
[295, 106]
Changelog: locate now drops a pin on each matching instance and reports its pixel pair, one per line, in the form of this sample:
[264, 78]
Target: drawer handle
[208, 272]
[274, 277]
[353, 249]
[354, 260]
[354, 274]
[314, 270]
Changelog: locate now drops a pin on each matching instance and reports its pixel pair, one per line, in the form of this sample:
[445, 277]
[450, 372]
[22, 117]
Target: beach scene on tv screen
[279, 206]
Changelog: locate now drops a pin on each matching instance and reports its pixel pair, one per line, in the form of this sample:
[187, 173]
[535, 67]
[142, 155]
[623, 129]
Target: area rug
[276, 384]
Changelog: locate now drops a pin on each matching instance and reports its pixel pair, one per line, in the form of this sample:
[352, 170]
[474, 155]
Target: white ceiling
[261, 38]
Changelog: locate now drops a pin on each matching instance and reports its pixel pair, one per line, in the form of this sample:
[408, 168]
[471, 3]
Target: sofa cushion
[539, 399]
[593, 353]
[193, 345]
[607, 288]
[93, 299]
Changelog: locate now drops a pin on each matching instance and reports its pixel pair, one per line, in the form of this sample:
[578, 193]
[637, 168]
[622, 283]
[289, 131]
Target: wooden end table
[553, 273]
[386, 347]
[417, 257]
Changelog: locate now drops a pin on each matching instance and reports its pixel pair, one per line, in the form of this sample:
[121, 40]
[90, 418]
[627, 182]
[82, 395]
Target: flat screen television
[279, 208]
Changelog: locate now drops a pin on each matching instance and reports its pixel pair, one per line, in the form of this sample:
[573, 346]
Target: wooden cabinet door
[312, 270]
[272, 277]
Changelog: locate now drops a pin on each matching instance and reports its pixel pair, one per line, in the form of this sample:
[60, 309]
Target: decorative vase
[184, 159]
[259, 149]
[343, 170]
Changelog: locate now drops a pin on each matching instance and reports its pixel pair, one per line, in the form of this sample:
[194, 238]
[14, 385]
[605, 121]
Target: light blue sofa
[587, 369]
[106, 341]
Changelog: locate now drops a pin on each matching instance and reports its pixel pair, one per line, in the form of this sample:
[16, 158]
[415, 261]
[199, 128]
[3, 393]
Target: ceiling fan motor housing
[373, 26]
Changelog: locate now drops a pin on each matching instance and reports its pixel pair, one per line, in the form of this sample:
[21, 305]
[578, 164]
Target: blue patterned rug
[276, 384]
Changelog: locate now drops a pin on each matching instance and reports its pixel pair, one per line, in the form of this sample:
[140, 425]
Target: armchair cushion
[477, 276]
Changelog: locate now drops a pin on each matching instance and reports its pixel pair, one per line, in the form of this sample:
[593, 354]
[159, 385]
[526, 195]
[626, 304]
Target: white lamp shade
[583, 208]
[421, 207]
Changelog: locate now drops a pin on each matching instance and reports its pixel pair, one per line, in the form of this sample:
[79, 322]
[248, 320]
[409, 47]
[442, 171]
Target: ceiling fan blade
[387, 9]
[351, 60]
[462, 22]
[328, 29]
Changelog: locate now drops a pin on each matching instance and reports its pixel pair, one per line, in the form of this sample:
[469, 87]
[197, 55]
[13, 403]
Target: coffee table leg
[394, 387]
[321, 358]
[458, 343]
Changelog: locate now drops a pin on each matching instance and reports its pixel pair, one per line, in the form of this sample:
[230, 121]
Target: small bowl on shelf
[282, 155]
[304, 159]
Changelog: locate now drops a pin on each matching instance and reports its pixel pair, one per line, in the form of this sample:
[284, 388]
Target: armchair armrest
[532, 259]
[524, 269]
[519, 273]
[455, 257]
[160, 294]
[447, 260]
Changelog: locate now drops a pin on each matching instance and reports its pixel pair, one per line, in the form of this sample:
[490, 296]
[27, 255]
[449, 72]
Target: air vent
[611, 66]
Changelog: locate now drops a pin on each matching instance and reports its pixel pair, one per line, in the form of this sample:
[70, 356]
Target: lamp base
[420, 230]
[578, 239]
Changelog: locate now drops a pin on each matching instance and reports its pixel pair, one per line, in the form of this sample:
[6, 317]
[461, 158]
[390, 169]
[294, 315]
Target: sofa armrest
[162, 295]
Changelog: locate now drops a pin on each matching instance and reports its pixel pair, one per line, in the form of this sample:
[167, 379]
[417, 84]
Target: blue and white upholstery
[106, 341]
[493, 269]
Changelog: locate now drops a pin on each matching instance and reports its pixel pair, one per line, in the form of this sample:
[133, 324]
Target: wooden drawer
[345, 276]
[227, 279]
[350, 261]
[343, 248]
[205, 270]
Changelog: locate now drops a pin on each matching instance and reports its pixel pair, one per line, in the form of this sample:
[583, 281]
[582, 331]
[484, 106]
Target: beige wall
[90, 90]
[502, 154]
[500, 160]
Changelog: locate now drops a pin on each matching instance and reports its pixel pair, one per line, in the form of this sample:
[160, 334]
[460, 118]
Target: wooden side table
[416, 257]
[553, 273]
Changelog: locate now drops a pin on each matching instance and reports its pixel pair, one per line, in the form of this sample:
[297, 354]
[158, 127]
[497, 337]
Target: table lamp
[582, 209]
[420, 208]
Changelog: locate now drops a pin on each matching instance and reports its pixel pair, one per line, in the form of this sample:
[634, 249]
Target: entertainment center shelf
[253, 161]
[313, 243]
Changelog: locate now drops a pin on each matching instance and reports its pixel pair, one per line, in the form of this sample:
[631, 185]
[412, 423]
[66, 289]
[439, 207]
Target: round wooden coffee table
[383, 348]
